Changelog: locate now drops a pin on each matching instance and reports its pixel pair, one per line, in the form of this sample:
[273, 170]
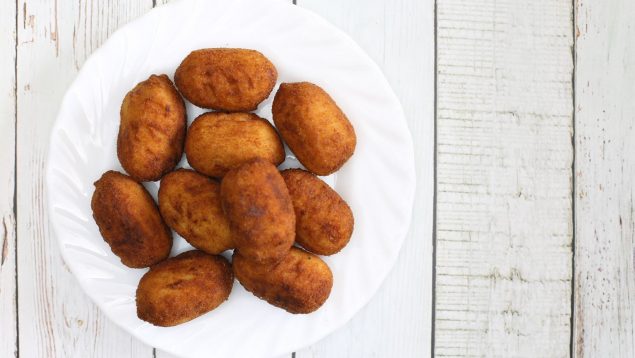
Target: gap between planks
[573, 176]
[435, 186]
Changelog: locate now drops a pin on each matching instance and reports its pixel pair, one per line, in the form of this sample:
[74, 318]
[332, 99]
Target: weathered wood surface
[56, 319]
[604, 307]
[504, 156]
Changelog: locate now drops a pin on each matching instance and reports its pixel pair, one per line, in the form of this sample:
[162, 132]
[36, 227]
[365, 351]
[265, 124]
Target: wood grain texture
[8, 291]
[399, 36]
[604, 307]
[504, 157]
[56, 318]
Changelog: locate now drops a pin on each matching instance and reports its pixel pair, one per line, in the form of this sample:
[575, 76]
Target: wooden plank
[8, 298]
[56, 318]
[604, 309]
[159, 353]
[399, 36]
[504, 157]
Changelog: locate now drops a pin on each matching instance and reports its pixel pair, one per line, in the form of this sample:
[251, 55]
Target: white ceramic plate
[378, 182]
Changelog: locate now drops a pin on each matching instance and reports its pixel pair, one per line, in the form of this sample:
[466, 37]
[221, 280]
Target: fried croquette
[217, 142]
[261, 217]
[190, 204]
[324, 222]
[152, 129]
[300, 283]
[226, 79]
[313, 126]
[183, 287]
[129, 221]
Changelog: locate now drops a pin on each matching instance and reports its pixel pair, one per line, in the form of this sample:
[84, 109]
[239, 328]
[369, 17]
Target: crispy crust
[152, 129]
[300, 283]
[226, 79]
[190, 204]
[129, 221]
[218, 142]
[257, 204]
[324, 222]
[183, 287]
[314, 127]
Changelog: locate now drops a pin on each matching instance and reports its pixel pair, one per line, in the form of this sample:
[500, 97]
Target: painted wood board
[399, 36]
[504, 156]
[56, 318]
[604, 299]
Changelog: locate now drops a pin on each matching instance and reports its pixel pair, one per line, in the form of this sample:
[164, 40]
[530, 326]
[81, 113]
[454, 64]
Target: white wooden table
[523, 234]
